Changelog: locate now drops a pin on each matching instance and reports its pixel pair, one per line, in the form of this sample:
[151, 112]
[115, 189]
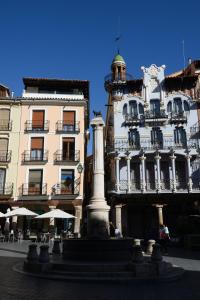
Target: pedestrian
[117, 233]
[112, 229]
[164, 238]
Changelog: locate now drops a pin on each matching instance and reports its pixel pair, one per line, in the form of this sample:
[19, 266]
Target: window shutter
[5, 114]
[38, 118]
[35, 176]
[37, 143]
[68, 117]
[3, 144]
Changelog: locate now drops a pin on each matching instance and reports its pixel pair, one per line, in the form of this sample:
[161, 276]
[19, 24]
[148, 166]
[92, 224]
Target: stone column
[142, 159]
[173, 157]
[98, 210]
[117, 159]
[118, 217]
[188, 157]
[160, 214]
[157, 158]
[14, 219]
[128, 160]
[77, 221]
[52, 220]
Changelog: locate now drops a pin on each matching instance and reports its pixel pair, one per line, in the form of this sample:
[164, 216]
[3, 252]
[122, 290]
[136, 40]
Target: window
[35, 182]
[125, 109]
[180, 137]
[134, 139]
[3, 149]
[141, 109]
[68, 120]
[2, 179]
[67, 181]
[37, 150]
[186, 106]
[68, 150]
[4, 119]
[157, 137]
[169, 107]
[38, 119]
[133, 108]
[155, 107]
[178, 106]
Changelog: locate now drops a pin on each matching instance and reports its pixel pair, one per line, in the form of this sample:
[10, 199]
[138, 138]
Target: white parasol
[21, 211]
[56, 214]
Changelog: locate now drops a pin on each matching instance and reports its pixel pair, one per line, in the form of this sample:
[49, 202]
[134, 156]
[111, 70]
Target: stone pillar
[188, 157]
[98, 210]
[160, 214]
[157, 158]
[52, 220]
[14, 219]
[128, 160]
[118, 217]
[142, 159]
[117, 159]
[173, 157]
[77, 221]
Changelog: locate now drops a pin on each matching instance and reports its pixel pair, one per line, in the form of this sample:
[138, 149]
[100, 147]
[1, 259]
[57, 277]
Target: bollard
[156, 254]
[150, 244]
[137, 254]
[56, 247]
[137, 242]
[44, 254]
[32, 255]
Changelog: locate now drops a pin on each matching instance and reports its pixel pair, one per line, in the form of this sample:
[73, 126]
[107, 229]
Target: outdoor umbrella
[56, 214]
[21, 211]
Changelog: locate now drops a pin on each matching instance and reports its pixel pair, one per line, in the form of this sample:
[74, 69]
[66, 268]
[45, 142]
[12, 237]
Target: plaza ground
[16, 286]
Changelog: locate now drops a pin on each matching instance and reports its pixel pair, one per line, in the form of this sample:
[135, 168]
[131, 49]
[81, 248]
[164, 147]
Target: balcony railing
[34, 189]
[35, 156]
[66, 127]
[195, 129]
[110, 77]
[5, 156]
[6, 189]
[61, 156]
[5, 125]
[150, 114]
[132, 119]
[178, 117]
[123, 145]
[68, 188]
[31, 126]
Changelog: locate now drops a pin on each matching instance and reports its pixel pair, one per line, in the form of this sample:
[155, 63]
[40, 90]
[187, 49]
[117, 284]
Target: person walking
[164, 238]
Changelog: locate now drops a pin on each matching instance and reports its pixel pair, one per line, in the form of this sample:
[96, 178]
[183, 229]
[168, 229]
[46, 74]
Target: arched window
[133, 108]
[157, 137]
[169, 107]
[134, 139]
[141, 109]
[180, 138]
[178, 108]
[125, 109]
[186, 106]
[155, 107]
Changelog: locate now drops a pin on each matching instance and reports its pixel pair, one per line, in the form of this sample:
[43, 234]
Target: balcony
[61, 157]
[66, 190]
[35, 157]
[5, 156]
[195, 130]
[6, 190]
[66, 127]
[5, 125]
[153, 116]
[35, 191]
[178, 117]
[109, 78]
[31, 126]
[132, 119]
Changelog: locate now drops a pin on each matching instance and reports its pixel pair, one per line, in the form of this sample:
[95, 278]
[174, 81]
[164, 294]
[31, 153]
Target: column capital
[172, 156]
[52, 207]
[142, 157]
[119, 205]
[117, 158]
[157, 157]
[188, 156]
[128, 157]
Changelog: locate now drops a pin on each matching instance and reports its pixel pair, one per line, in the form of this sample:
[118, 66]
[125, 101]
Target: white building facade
[152, 147]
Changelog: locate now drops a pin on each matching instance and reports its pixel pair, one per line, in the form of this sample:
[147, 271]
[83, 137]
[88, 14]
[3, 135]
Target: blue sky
[76, 39]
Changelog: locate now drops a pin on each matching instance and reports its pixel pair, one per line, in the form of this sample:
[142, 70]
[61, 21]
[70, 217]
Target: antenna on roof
[118, 37]
[183, 42]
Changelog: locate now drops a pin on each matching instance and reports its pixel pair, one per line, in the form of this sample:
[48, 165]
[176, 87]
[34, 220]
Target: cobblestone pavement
[18, 286]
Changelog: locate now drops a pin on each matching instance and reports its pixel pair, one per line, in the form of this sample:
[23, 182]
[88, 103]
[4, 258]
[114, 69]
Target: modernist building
[152, 146]
[51, 147]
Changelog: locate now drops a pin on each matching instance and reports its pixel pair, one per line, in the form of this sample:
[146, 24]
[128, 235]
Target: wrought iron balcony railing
[66, 188]
[62, 156]
[5, 125]
[35, 156]
[150, 114]
[39, 126]
[34, 189]
[178, 117]
[132, 118]
[5, 156]
[67, 127]
[6, 189]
